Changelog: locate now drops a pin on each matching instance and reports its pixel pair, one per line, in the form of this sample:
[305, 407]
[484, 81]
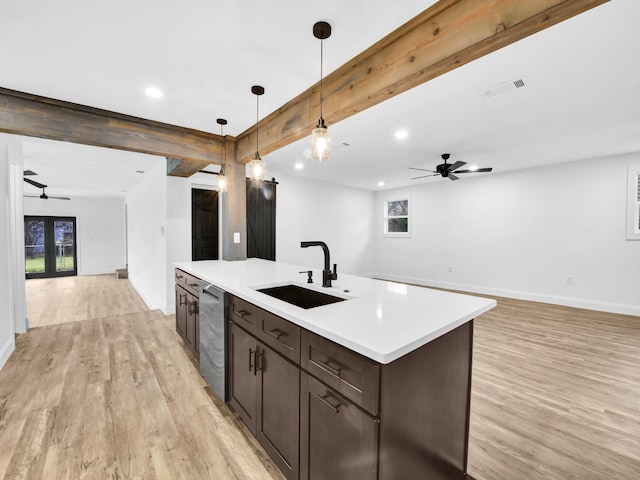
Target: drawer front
[280, 334]
[181, 278]
[243, 313]
[189, 282]
[351, 374]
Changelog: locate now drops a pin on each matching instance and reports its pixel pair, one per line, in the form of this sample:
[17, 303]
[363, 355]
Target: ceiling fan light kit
[449, 170]
[256, 166]
[320, 137]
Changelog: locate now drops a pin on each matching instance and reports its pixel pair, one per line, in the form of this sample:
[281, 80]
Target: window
[396, 218]
[633, 204]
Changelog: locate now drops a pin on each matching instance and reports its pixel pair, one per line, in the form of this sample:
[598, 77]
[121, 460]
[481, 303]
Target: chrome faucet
[327, 274]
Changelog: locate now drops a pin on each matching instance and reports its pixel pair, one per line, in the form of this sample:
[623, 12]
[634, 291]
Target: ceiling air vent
[503, 88]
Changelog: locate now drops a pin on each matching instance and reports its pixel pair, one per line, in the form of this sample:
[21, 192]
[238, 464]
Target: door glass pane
[63, 231]
[34, 246]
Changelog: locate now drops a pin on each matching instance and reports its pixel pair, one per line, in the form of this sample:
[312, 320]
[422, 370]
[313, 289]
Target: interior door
[204, 224]
[50, 246]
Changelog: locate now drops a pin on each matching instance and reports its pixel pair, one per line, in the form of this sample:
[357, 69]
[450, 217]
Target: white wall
[100, 225]
[7, 314]
[521, 234]
[341, 217]
[146, 227]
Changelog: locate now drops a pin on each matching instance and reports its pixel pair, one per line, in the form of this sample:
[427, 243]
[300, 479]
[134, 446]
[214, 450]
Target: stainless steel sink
[300, 296]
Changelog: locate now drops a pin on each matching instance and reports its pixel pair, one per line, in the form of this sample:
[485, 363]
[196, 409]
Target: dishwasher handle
[211, 294]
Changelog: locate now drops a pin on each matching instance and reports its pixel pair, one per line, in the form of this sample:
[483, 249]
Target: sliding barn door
[261, 220]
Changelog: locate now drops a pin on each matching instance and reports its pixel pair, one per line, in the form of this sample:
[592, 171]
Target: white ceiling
[581, 99]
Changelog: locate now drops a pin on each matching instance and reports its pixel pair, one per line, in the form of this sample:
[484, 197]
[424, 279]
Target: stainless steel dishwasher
[213, 338]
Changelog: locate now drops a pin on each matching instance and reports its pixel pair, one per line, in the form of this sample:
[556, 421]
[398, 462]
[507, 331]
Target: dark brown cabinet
[264, 390]
[188, 310]
[342, 415]
[338, 441]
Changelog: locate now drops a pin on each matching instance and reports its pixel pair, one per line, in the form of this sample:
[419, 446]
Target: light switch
[236, 237]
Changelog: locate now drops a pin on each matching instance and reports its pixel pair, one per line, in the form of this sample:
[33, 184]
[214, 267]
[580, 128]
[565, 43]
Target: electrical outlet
[569, 280]
[450, 269]
[236, 237]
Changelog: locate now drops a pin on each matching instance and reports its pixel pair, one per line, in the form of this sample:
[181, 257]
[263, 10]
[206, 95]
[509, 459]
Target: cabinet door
[181, 311]
[242, 375]
[278, 409]
[190, 331]
[338, 441]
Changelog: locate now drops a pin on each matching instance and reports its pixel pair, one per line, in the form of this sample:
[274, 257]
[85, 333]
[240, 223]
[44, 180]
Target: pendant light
[256, 166]
[222, 179]
[320, 137]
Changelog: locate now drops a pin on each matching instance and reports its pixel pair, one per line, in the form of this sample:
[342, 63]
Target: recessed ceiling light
[154, 92]
[402, 134]
[473, 168]
[299, 166]
[381, 183]
[139, 171]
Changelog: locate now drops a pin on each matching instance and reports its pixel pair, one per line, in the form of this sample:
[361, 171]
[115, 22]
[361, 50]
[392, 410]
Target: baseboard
[520, 295]
[150, 306]
[6, 351]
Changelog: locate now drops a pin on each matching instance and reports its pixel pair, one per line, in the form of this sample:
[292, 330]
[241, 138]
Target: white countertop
[380, 320]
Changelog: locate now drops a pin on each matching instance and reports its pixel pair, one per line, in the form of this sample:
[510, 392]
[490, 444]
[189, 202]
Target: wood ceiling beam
[34, 116]
[447, 35]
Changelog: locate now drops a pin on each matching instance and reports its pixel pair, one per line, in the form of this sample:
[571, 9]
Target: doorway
[50, 247]
[204, 224]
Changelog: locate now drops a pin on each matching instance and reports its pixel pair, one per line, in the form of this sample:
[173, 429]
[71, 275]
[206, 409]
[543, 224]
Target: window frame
[386, 217]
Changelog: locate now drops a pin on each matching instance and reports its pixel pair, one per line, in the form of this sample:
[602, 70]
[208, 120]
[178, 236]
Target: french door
[50, 246]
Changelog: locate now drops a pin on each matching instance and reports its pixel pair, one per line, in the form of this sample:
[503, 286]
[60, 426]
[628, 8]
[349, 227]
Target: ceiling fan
[449, 170]
[44, 195]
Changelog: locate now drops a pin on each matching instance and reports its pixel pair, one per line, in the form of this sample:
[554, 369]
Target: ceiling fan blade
[452, 177]
[421, 169]
[479, 170]
[455, 166]
[34, 183]
[29, 172]
[60, 198]
[425, 176]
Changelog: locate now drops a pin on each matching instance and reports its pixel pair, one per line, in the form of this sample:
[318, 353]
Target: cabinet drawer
[351, 374]
[189, 282]
[280, 334]
[243, 313]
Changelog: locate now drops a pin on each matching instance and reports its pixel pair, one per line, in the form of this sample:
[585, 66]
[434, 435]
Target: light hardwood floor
[555, 395]
[51, 301]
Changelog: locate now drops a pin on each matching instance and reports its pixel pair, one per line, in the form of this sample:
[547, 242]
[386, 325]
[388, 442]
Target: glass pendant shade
[222, 182]
[256, 169]
[320, 142]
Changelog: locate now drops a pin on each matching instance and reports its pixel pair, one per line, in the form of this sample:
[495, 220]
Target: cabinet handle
[275, 333]
[241, 313]
[179, 276]
[258, 362]
[334, 372]
[192, 307]
[180, 299]
[324, 400]
[328, 368]
[251, 360]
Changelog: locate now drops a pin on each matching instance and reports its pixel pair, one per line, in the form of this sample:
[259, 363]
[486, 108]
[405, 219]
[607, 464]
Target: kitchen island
[376, 386]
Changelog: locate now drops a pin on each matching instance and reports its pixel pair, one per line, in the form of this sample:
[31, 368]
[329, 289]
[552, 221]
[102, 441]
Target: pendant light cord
[224, 157]
[321, 57]
[257, 129]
